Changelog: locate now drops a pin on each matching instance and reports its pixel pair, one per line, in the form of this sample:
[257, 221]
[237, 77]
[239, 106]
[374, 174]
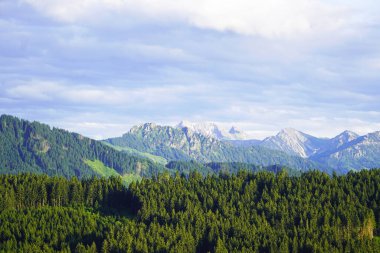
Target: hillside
[34, 147]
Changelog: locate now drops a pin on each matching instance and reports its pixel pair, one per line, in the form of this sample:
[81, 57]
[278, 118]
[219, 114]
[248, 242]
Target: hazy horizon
[225, 127]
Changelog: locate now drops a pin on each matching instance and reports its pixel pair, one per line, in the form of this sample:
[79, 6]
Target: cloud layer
[271, 18]
[99, 67]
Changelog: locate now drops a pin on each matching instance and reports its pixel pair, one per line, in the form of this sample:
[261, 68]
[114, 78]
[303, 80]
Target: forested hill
[34, 147]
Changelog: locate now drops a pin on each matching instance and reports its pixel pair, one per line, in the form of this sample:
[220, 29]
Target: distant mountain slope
[185, 144]
[342, 139]
[243, 143]
[295, 142]
[34, 147]
[328, 153]
[346, 151]
[332, 145]
[360, 153]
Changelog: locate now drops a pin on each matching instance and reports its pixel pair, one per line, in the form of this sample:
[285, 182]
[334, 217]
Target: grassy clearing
[101, 169]
[106, 172]
[131, 151]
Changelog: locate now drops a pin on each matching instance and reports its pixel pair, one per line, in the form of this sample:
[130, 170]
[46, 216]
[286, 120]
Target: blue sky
[100, 67]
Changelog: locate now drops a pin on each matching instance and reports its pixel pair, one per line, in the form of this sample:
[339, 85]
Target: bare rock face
[185, 144]
[295, 142]
[212, 130]
[362, 152]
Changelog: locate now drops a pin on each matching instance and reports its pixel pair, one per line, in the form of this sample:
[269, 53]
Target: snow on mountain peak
[212, 130]
[204, 128]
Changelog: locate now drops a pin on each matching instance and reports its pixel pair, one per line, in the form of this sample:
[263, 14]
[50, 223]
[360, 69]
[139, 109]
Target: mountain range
[148, 149]
[206, 142]
[185, 144]
[346, 151]
[33, 147]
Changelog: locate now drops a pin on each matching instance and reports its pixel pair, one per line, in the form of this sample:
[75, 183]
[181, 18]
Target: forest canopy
[243, 212]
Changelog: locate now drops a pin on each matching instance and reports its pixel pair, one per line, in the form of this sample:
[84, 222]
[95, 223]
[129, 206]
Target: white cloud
[269, 19]
[36, 91]
[100, 95]
[97, 130]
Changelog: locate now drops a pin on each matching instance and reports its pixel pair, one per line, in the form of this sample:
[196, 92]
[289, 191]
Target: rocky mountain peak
[343, 138]
[290, 135]
[349, 134]
[143, 127]
[212, 130]
[374, 137]
[233, 130]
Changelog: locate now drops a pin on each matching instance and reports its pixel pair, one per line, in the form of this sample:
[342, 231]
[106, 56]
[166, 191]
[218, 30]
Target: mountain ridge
[339, 152]
[34, 147]
[185, 144]
[364, 151]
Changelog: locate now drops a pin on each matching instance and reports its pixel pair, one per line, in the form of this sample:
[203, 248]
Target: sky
[99, 67]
